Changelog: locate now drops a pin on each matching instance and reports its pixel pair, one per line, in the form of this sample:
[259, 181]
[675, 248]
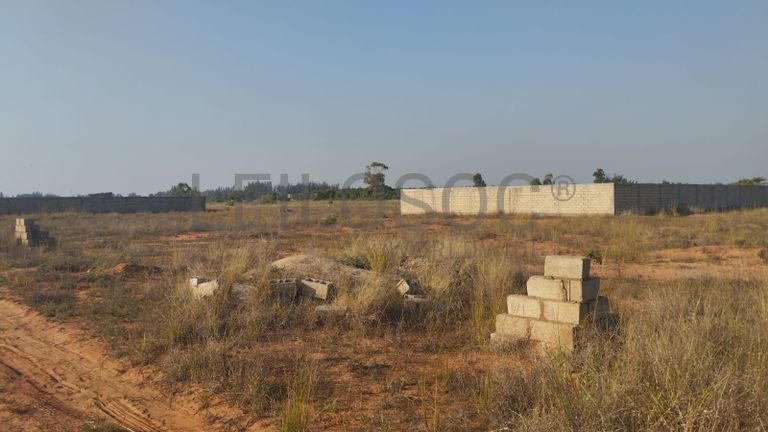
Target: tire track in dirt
[69, 372]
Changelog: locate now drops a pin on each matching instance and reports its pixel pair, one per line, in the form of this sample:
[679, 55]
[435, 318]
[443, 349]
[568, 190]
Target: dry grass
[693, 359]
[690, 354]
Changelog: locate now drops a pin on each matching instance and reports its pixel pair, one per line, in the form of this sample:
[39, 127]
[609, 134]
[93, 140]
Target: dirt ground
[56, 378]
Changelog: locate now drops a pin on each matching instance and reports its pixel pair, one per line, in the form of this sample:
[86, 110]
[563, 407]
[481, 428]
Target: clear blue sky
[134, 96]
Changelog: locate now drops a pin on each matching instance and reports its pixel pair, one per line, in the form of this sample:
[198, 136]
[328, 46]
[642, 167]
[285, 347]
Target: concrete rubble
[30, 235]
[288, 289]
[559, 308]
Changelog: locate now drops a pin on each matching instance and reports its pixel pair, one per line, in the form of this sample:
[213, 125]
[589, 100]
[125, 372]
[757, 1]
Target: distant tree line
[374, 176]
[267, 192]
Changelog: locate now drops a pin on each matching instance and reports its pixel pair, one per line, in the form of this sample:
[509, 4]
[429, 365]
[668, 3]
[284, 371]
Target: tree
[374, 176]
[618, 178]
[599, 176]
[751, 181]
[547, 179]
[183, 189]
[535, 181]
[236, 196]
[478, 180]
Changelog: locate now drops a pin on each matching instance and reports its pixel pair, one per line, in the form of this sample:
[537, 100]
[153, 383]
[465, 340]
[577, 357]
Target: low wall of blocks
[560, 307]
[30, 235]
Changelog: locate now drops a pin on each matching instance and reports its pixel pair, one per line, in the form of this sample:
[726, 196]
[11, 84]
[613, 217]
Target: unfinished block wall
[596, 199]
[583, 199]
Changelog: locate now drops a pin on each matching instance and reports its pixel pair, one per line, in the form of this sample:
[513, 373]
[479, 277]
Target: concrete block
[413, 298]
[330, 311]
[566, 267]
[205, 289]
[574, 313]
[284, 290]
[524, 306]
[409, 286]
[24, 222]
[554, 334]
[514, 326]
[317, 288]
[563, 289]
[25, 228]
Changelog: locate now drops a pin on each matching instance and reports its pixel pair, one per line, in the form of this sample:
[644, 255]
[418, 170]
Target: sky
[135, 96]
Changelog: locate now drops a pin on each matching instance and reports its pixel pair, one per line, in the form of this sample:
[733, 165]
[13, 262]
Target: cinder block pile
[560, 306]
[30, 235]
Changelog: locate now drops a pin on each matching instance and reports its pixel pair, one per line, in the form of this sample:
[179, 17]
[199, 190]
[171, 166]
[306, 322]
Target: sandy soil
[55, 378]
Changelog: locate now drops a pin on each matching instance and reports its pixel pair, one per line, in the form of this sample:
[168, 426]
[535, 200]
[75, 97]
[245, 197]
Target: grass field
[692, 293]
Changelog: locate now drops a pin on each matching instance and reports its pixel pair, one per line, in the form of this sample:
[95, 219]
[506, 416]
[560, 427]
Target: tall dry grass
[693, 359]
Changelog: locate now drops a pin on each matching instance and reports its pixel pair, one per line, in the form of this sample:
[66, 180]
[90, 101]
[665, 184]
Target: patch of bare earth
[54, 377]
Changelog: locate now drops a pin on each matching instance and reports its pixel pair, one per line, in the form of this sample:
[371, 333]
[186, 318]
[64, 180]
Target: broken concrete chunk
[409, 286]
[317, 288]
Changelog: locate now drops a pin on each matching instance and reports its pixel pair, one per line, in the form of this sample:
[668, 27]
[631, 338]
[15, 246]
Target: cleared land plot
[690, 290]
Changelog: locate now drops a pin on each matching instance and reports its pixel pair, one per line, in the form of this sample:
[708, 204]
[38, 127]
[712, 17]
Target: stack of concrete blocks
[30, 235]
[560, 306]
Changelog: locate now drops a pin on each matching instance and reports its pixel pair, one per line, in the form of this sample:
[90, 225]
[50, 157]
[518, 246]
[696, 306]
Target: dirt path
[55, 370]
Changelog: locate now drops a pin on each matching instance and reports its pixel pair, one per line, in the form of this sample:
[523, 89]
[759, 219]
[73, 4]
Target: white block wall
[595, 199]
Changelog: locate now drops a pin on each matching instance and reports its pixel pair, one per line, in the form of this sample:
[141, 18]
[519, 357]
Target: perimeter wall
[580, 199]
[100, 204]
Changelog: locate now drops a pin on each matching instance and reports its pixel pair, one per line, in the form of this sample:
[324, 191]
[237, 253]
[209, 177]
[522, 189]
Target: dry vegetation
[692, 352]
